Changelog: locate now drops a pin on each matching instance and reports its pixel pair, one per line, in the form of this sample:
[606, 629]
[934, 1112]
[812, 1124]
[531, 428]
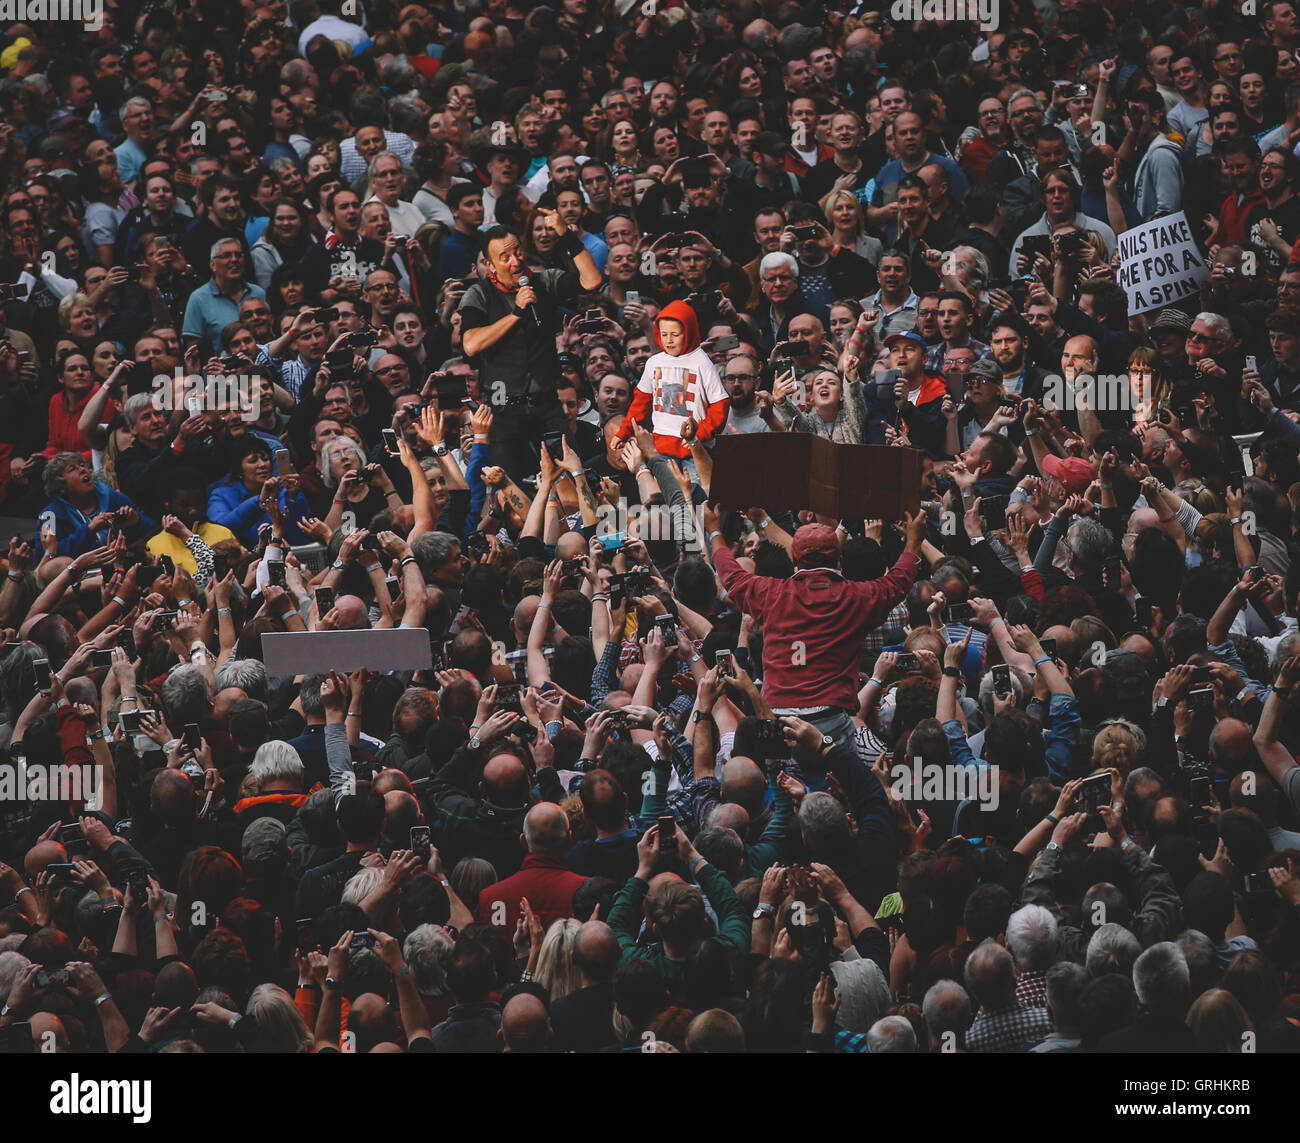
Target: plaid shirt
[1008, 1029]
[892, 630]
[935, 356]
[1031, 989]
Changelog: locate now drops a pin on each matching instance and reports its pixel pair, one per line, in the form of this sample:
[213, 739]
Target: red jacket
[1232, 217]
[547, 882]
[813, 626]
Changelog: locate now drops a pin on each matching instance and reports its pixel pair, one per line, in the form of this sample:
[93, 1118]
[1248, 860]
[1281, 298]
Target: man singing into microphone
[509, 326]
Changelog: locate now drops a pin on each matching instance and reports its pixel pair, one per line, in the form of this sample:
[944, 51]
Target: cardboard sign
[1160, 264]
[800, 470]
[315, 652]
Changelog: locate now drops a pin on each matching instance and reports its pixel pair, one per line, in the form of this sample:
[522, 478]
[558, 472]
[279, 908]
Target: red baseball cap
[815, 538]
[1072, 471]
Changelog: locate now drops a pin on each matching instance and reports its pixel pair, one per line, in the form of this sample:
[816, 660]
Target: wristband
[765, 522]
[393, 492]
[1103, 485]
[17, 577]
[1244, 694]
[715, 533]
[1053, 819]
[480, 440]
[641, 469]
[525, 977]
[223, 610]
[407, 560]
[571, 244]
[103, 998]
[339, 500]
[354, 714]
[120, 602]
[995, 619]
[542, 604]
[403, 971]
[875, 680]
[184, 602]
[1235, 521]
[1044, 659]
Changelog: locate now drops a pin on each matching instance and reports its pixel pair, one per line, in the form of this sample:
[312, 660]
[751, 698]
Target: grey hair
[1018, 685]
[1112, 948]
[892, 1035]
[1201, 955]
[1032, 938]
[360, 885]
[134, 101]
[1287, 646]
[775, 259]
[313, 706]
[215, 248]
[272, 1009]
[978, 262]
[1161, 977]
[276, 759]
[327, 451]
[1023, 93]
[1217, 322]
[721, 847]
[1089, 542]
[283, 163]
[947, 1009]
[249, 675]
[991, 975]
[405, 111]
[185, 694]
[1137, 777]
[823, 822]
[428, 951]
[11, 964]
[1065, 983]
[397, 75]
[372, 168]
[134, 406]
[56, 469]
[433, 549]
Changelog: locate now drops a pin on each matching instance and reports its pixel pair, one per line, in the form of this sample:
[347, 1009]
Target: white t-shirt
[680, 387]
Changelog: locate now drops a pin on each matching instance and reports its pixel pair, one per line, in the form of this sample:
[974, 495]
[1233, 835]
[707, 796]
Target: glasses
[1193, 335]
[257, 313]
[741, 376]
[992, 111]
[227, 255]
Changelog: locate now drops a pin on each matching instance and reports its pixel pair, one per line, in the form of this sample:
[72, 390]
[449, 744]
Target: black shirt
[524, 360]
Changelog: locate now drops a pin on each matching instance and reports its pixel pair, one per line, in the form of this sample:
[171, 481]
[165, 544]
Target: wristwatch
[440, 450]
[475, 743]
[764, 910]
[827, 743]
[331, 983]
[701, 715]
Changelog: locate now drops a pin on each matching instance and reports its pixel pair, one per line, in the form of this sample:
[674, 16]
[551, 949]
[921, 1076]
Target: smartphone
[394, 586]
[191, 736]
[782, 365]
[617, 592]
[806, 232]
[770, 738]
[277, 573]
[907, 663]
[145, 574]
[633, 297]
[59, 978]
[1200, 698]
[305, 930]
[139, 884]
[615, 542]
[324, 600]
[1198, 793]
[129, 721]
[554, 443]
[1201, 674]
[959, 613]
[1142, 615]
[338, 359]
[326, 315]
[44, 678]
[362, 339]
[60, 870]
[591, 325]
[163, 620]
[1250, 364]
[371, 544]
[667, 833]
[102, 658]
[618, 720]
[1094, 791]
[283, 464]
[1110, 573]
[993, 511]
[1048, 646]
[194, 406]
[524, 731]
[168, 565]
[1259, 882]
[362, 941]
[508, 697]
[390, 441]
[421, 845]
[1002, 679]
[725, 663]
[72, 838]
[726, 343]
[668, 628]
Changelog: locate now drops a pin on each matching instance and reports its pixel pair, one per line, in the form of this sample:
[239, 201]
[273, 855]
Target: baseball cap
[65, 119]
[910, 334]
[815, 538]
[770, 143]
[985, 367]
[1172, 319]
[1072, 471]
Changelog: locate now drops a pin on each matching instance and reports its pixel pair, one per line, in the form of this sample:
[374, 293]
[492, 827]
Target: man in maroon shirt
[544, 877]
[815, 621]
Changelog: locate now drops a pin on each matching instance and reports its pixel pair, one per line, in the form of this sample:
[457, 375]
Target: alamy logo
[920, 780]
[1098, 393]
[197, 393]
[89, 13]
[986, 12]
[77, 1096]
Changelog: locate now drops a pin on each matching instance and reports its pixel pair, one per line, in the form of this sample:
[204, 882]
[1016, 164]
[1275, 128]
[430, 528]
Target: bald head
[546, 829]
[570, 545]
[372, 1020]
[525, 613]
[40, 855]
[352, 612]
[1231, 745]
[743, 782]
[48, 1029]
[525, 1024]
[596, 952]
[391, 779]
[505, 781]
[729, 815]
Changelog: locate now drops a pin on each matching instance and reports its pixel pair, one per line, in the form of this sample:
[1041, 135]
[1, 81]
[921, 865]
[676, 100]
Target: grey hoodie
[1158, 184]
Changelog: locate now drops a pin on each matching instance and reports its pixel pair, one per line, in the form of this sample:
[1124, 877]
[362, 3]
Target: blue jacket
[232, 505]
[72, 525]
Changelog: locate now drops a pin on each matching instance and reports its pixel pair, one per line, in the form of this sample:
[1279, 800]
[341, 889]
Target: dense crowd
[330, 317]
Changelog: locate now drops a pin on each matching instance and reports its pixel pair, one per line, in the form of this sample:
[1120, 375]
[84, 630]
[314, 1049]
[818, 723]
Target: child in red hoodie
[680, 385]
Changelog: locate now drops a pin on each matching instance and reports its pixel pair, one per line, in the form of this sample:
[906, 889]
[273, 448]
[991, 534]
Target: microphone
[530, 310]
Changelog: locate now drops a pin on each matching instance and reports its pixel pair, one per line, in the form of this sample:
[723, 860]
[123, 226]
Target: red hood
[680, 311]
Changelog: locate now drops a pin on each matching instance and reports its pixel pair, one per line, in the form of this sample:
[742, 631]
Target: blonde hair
[360, 885]
[327, 451]
[278, 1019]
[1115, 745]
[828, 210]
[557, 971]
